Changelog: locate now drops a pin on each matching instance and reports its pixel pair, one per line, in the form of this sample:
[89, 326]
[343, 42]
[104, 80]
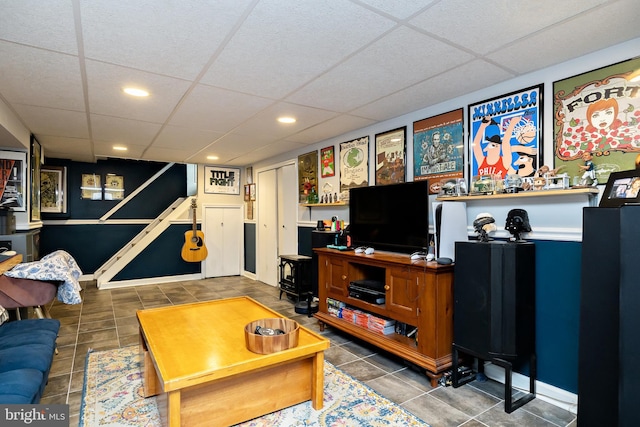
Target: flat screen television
[390, 217]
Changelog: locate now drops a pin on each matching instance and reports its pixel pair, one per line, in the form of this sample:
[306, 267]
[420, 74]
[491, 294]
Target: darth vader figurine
[483, 225]
[517, 223]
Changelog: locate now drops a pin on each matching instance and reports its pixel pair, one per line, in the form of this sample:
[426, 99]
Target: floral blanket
[56, 266]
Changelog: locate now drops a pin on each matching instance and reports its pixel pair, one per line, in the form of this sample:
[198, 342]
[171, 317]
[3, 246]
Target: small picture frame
[91, 186]
[623, 188]
[114, 187]
[53, 189]
[220, 180]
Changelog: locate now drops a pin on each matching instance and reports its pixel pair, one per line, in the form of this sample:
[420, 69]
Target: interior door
[223, 238]
[287, 209]
[267, 232]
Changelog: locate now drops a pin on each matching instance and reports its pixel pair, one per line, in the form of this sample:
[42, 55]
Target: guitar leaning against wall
[194, 249]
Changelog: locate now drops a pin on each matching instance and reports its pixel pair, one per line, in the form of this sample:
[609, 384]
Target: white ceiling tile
[265, 122]
[579, 33]
[123, 131]
[78, 149]
[174, 38]
[190, 139]
[401, 9]
[105, 149]
[105, 84]
[409, 57]
[216, 109]
[158, 154]
[284, 44]
[336, 126]
[39, 77]
[484, 26]
[48, 26]
[54, 122]
[435, 90]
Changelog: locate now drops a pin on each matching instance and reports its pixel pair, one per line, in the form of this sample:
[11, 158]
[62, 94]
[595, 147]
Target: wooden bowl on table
[276, 335]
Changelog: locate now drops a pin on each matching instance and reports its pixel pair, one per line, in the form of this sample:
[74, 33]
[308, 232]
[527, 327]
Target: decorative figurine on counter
[589, 174]
[483, 225]
[517, 223]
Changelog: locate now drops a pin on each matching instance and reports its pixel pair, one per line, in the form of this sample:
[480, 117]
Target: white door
[287, 210]
[267, 232]
[223, 237]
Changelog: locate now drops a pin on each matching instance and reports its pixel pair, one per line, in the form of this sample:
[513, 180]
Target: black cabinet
[609, 347]
[295, 275]
[494, 308]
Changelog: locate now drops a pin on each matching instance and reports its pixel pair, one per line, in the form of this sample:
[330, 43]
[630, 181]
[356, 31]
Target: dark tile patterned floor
[106, 320]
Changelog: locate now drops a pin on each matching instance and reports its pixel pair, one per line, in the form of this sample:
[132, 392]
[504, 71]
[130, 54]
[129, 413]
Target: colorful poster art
[505, 134]
[308, 178]
[597, 119]
[438, 149]
[390, 156]
[327, 162]
[354, 165]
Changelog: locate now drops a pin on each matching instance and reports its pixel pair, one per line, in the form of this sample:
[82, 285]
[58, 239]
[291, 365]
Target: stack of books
[381, 325]
[334, 307]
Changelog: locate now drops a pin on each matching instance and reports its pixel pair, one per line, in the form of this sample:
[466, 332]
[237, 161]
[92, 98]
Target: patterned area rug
[112, 396]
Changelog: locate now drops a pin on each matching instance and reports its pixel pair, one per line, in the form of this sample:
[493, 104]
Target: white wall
[546, 76]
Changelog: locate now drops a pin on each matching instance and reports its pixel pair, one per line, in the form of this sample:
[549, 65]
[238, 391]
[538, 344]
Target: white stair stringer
[135, 246]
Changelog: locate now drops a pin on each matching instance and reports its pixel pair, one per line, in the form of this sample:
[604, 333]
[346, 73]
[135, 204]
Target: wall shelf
[591, 191]
[320, 205]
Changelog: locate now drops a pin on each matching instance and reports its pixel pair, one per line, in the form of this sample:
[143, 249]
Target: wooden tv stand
[417, 293]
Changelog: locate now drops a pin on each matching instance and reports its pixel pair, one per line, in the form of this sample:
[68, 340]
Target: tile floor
[106, 319]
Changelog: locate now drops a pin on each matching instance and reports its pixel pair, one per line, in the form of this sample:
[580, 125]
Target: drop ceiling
[219, 73]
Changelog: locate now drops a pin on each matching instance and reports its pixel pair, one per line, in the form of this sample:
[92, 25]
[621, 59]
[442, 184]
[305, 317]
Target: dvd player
[367, 295]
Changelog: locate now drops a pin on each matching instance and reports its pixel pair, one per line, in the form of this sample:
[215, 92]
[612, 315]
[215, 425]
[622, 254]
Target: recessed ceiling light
[212, 157]
[119, 148]
[135, 92]
[286, 120]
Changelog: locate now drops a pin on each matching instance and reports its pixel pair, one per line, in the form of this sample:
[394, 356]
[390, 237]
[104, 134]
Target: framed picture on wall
[390, 157]
[53, 189]
[220, 180]
[354, 165]
[505, 134]
[438, 149]
[598, 112]
[36, 160]
[13, 180]
[327, 162]
[308, 177]
[114, 187]
[91, 186]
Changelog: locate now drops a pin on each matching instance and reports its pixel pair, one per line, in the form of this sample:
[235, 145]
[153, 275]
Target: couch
[27, 348]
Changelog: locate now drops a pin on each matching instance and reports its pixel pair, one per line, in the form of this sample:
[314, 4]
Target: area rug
[112, 396]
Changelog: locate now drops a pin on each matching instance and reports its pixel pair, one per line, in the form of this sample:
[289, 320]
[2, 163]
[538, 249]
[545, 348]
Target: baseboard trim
[547, 392]
[150, 281]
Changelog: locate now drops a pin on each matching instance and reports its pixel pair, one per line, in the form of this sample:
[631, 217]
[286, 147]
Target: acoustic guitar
[194, 249]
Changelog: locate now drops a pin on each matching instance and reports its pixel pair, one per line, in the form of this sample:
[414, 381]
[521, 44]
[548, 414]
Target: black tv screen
[390, 217]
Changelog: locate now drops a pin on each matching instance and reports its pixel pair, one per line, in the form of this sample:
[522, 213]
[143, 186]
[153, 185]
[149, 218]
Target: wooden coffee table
[196, 360]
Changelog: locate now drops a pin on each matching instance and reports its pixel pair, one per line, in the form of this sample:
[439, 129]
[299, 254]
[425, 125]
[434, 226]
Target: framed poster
[36, 160]
[505, 134]
[598, 112]
[308, 177]
[53, 189]
[354, 165]
[13, 180]
[438, 148]
[327, 158]
[219, 180]
[390, 157]
[114, 187]
[91, 186]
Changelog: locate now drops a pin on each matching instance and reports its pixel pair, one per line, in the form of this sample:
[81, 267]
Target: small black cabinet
[295, 275]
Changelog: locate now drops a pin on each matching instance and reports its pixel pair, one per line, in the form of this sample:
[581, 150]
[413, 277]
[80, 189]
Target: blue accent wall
[161, 258]
[93, 244]
[558, 280]
[250, 247]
